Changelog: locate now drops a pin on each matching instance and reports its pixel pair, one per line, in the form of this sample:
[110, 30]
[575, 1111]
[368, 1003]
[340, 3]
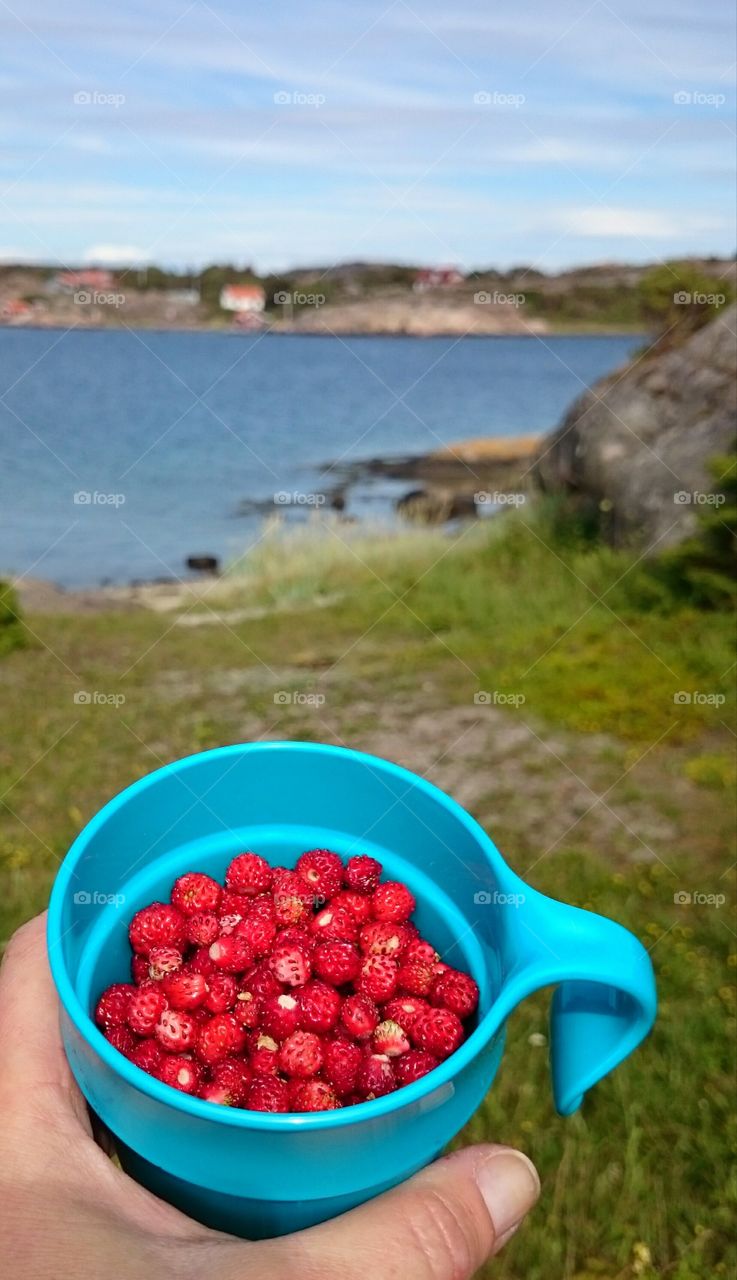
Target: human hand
[67, 1212]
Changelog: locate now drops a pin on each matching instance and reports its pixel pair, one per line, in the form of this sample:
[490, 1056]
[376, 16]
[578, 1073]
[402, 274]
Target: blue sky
[284, 132]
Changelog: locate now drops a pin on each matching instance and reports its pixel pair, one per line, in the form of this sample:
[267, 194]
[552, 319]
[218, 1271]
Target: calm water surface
[188, 434]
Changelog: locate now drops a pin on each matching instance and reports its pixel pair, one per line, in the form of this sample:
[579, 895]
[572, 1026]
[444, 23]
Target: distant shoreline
[277, 330]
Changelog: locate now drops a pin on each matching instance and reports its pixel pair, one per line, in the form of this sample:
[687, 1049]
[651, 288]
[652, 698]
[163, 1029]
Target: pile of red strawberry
[299, 990]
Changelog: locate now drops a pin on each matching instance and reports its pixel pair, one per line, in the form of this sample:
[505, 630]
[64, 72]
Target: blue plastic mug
[256, 1174]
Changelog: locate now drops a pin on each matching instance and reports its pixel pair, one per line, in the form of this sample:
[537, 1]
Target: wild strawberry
[235, 904]
[336, 962]
[176, 1031]
[390, 1039]
[378, 978]
[264, 1055]
[259, 931]
[231, 953]
[280, 1016]
[181, 1073]
[405, 1010]
[235, 1075]
[267, 1093]
[195, 892]
[201, 962]
[159, 925]
[249, 874]
[312, 1095]
[359, 904]
[220, 1037]
[301, 1054]
[362, 873]
[416, 978]
[112, 1007]
[439, 1031]
[359, 1016]
[247, 1010]
[184, 990]
[455, 991]
[202, 928]
[392, 901]
[319, 1006]
[381, 938]
[334, 924]
[145, 1009]
[122, 1039]
[220, 1093]
[296, 933]
[413, 1065]
[421, 951]
[322, 872]
[163, 960]
[149, 1056]
[342, 1058]
[290, 964]
[375, 1076]
[292, 899]
[261, 982]
[139, 969]
[222, 990]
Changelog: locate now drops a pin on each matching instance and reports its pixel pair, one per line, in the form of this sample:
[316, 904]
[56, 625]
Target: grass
[396, 634]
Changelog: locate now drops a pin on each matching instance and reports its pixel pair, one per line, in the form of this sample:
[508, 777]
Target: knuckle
[445, 1236]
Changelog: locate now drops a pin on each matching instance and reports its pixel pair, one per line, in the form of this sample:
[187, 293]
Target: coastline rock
[203, 564]
[414, 315]
[436, 506]
[637, 445]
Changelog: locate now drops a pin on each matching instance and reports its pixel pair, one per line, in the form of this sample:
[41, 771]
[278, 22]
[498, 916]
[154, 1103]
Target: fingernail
[510, 1186]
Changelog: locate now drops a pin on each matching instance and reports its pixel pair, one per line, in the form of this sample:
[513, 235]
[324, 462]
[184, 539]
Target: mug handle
[605, 1001]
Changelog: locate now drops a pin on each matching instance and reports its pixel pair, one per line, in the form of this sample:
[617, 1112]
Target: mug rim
[239, 1117]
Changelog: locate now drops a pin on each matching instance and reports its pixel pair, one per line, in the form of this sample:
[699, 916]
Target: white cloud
[640, 223]
[116, 255]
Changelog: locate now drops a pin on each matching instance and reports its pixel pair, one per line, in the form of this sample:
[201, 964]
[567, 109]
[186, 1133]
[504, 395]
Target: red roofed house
[92, 278]
[248, 298]
[16, 311]
[436, 278]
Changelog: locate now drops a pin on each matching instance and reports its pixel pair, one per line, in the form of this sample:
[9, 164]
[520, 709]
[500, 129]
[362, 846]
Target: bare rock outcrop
[638, 444]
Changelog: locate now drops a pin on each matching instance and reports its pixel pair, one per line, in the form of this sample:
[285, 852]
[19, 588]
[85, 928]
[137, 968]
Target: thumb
[441, 1225]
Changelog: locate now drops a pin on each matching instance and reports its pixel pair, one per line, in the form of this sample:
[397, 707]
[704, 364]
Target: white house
[242, 297]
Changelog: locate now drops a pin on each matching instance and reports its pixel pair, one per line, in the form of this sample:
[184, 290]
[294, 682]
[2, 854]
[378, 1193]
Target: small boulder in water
[203, 564]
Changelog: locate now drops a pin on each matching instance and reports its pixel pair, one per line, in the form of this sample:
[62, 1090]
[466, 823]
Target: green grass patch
[639, 1182]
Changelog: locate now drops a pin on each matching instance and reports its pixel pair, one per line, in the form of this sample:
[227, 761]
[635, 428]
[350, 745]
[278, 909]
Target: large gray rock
[637, 445]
